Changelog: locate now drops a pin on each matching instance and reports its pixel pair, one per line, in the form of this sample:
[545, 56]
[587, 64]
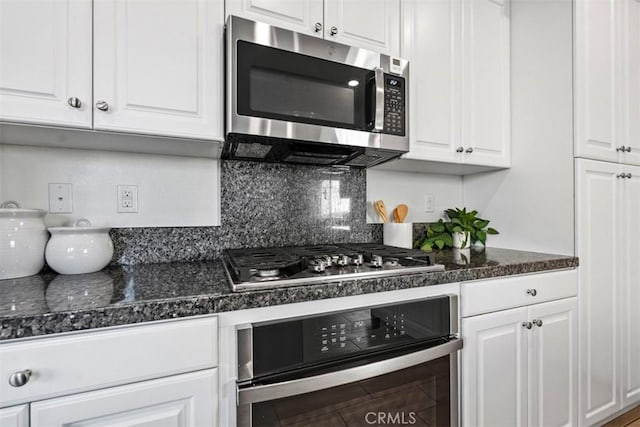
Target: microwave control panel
[394, 105]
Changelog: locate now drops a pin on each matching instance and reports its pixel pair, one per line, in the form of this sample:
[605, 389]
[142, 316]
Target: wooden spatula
[400, 213]
[381, 209]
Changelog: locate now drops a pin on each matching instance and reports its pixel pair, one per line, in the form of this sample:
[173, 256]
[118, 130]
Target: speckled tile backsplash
[263, 205]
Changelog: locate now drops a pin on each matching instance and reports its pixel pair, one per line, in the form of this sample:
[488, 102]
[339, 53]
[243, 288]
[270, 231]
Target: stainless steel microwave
[294, 98]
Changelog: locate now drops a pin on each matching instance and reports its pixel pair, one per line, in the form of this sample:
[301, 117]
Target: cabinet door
[303, 16]
[178, 401]
[630, 280]
[598, 245]
[553, 364]
[158, 67]
[371, 24]
[432, 46]
[494, 369]
[631, 78]
[45, 59]
[486, 82]
[597, 79]
[15, 416]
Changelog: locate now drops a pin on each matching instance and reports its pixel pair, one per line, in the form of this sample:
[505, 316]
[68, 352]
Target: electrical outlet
[428, 203]
[60, 201]
[127, 199]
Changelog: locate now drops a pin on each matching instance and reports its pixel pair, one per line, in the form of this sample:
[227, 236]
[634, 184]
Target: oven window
[282, 85]
[417, 396]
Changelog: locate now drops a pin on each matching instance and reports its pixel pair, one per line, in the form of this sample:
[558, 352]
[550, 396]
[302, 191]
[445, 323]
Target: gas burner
[251, 269]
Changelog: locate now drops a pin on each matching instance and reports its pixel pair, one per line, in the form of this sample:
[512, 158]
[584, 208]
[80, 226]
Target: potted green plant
[463, 229]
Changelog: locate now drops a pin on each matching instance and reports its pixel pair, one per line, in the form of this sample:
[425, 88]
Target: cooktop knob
[376, 261]
[344, 260]
[357, 259]
[318, 266]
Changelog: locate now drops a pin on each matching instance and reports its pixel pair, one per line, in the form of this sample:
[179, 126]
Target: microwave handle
[379, 113]
[320, 382]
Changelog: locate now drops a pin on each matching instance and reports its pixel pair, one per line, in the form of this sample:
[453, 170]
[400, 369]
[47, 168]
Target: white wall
[410, 188]
[532, 203]
[172, 190]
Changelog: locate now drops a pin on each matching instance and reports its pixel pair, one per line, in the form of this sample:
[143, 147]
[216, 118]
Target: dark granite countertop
[49, 303]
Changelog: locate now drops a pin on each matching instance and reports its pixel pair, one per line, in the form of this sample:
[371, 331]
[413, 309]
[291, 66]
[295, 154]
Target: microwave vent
[252, 151]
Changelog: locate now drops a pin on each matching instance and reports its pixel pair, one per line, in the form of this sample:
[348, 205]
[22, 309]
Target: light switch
[60, 199]
[428, 203]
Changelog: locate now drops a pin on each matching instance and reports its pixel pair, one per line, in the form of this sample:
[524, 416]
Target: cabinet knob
[538, 323]
[334, 31]
[102, 105]
[469, 150]
[527, 325]
[20, 378]
[628, 149]
[628, 175]
[459, 149]
[318, 27]
[74, 102]
[532, 292]
[621, 175]
[621, 148]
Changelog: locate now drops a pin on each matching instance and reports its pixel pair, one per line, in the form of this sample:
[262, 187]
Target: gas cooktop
[266, 268]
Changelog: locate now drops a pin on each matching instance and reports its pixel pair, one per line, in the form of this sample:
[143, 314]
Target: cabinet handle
[538, 323]
[628, 175]
[532, 292]
[628, 149]
[459, 149]
[318, 27]
[527, 325]
[621, 148]
[20, 378]
[102, 105]
[334, 31]
[74, 102]
[621, 175]
[469, 150]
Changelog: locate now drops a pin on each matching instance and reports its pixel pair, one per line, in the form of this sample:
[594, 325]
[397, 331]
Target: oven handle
[379, 115]
[320, 382]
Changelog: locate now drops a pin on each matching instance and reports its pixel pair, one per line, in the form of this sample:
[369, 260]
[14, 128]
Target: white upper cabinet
[460, 79]
[607, 80]
[370, 24]
[158, 67]
[45, 62]
[303, 16]
[486, 82]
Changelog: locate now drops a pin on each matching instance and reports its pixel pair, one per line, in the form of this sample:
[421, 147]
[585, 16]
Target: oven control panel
[394, 105]
[287, 345]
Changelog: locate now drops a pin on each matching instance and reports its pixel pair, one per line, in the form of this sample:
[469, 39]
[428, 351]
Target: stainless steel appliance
[394, 364]
[264, 268]
[295, 98]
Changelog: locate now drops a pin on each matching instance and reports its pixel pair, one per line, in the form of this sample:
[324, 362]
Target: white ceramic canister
[398, 234]
[79, 249]
[23, 237]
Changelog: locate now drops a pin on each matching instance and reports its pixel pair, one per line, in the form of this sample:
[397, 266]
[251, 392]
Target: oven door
[419, 388]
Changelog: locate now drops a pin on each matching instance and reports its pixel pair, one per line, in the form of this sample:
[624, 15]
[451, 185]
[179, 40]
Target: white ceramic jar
[79, 249]
[23, 237]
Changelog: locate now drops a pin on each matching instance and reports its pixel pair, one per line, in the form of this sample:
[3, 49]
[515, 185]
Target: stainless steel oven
[295, 98]
[394, 364]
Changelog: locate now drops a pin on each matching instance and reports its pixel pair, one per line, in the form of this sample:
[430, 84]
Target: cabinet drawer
[484, 296]
[92, 360]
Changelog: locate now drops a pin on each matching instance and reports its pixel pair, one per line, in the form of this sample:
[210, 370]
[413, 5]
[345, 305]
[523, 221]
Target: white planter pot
[461, 240]
[23, 237]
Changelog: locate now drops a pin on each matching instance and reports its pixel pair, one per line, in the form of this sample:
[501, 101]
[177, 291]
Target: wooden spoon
[400, 213]
[381, 210]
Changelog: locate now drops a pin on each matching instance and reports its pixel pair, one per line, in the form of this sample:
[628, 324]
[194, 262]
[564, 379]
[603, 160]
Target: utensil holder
[398, 234]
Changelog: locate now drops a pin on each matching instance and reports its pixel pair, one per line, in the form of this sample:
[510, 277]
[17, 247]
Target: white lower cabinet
[187, 400]
[15, 416]
[519, 366]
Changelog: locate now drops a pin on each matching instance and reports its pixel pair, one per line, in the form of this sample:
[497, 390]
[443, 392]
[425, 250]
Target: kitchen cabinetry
[45, 62]
[157, 66]
[131, 375]
[608, 244]
[177, 401]
[15, 416]
[373, 25]
[519, 366]
[607, 80]
[459, 104]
